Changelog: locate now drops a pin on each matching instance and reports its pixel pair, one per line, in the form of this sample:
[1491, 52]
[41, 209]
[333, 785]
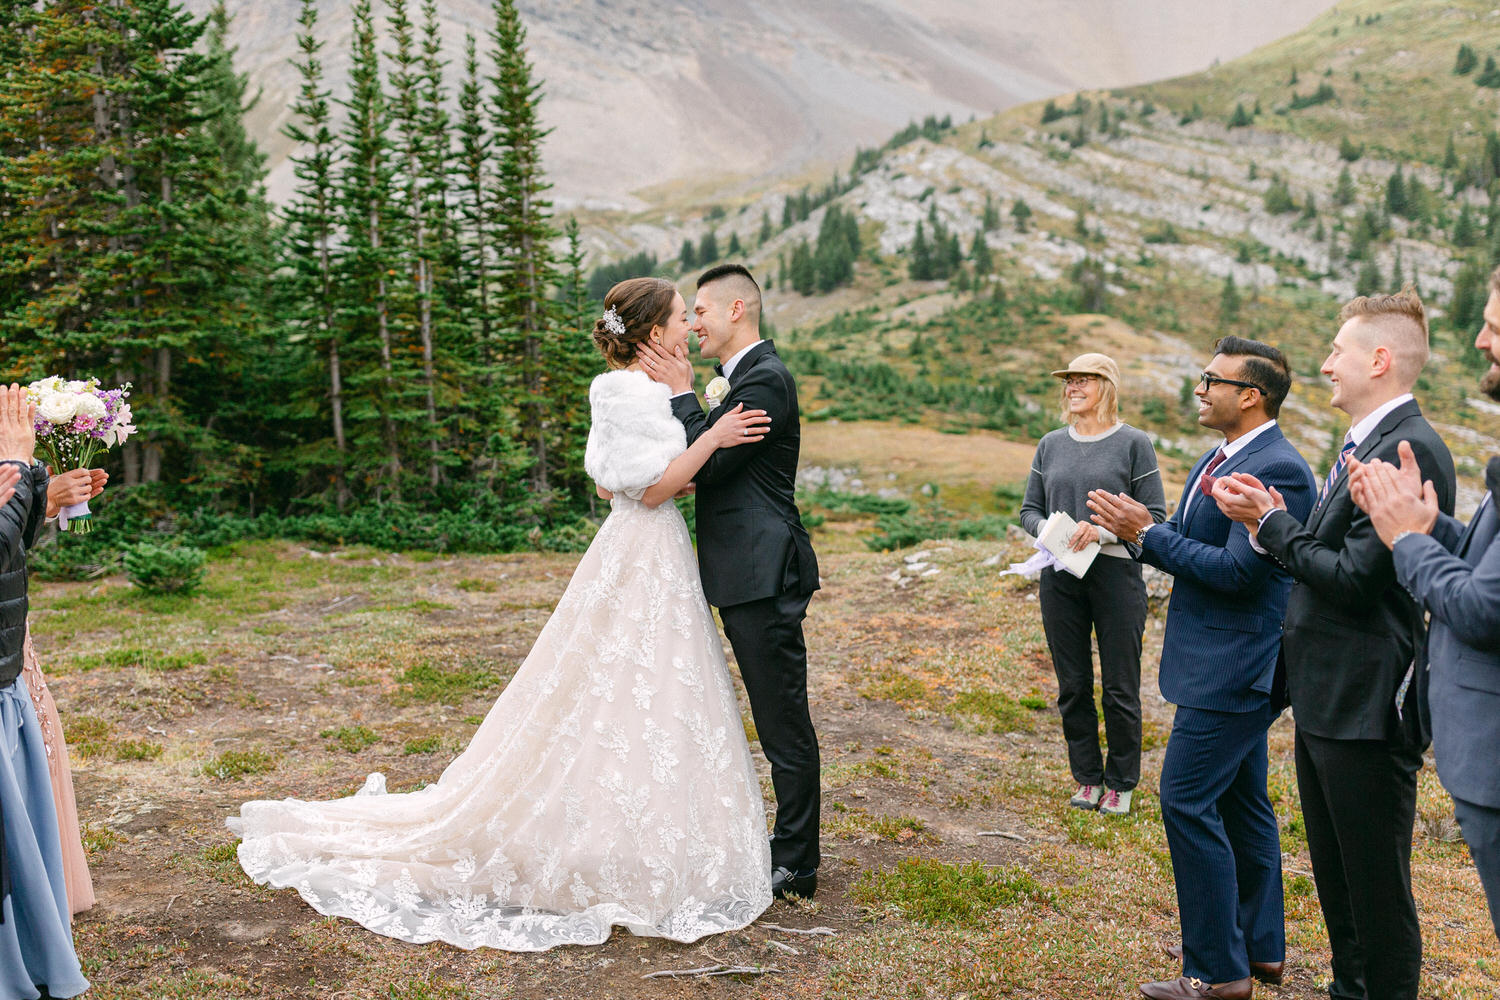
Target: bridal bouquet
[75, 420]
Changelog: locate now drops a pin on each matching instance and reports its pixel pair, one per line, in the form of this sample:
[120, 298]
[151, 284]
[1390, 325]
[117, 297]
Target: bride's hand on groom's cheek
[673, 370]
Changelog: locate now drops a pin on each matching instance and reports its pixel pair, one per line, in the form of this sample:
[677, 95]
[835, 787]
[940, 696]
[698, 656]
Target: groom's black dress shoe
[785, 882]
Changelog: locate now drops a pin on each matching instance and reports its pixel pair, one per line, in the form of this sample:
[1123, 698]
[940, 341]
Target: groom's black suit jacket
[1351, 631]
[751, 543]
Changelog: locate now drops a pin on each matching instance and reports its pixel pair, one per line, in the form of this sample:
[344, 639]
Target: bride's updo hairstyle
[631, 309]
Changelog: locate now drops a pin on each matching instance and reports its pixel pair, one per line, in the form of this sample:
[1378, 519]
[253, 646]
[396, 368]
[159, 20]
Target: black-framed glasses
[1208, 380]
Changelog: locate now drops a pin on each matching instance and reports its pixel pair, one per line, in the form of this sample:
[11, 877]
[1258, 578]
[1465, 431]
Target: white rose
[76, 386]
[716, 390]
[58, 407]
[41, 388]
[90, 405]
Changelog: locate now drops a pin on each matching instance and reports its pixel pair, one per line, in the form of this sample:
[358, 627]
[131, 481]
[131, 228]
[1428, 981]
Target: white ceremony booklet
[1054, 538]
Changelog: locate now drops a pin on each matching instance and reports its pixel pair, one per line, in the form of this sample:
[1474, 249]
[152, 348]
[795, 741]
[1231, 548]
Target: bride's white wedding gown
[610, 784]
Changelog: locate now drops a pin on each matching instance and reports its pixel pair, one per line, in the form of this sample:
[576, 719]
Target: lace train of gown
[611, 783]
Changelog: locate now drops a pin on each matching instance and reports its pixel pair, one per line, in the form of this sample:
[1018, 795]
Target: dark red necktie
[1206, 483]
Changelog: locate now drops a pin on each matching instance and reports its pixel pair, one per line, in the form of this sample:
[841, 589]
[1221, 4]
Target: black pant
[1109, 600]
[767, 640]
[1481, 827]
[1359, 802]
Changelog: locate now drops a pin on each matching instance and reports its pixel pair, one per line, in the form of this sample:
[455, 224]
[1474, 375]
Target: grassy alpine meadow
[953, 866]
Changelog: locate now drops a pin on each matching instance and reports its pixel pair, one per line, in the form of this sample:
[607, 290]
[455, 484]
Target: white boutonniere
[716, 390]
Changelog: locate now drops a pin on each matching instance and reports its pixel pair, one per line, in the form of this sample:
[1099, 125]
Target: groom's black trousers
[772, 656]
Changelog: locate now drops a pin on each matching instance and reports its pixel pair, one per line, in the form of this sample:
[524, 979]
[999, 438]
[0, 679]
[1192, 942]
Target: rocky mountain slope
[1173, 192]
[653, 92]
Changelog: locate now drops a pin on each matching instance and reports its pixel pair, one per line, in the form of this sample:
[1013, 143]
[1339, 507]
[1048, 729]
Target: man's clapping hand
[1396, 498]
[17, 432]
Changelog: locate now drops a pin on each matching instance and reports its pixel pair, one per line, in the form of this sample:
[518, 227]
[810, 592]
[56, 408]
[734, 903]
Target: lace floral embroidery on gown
[610, 784]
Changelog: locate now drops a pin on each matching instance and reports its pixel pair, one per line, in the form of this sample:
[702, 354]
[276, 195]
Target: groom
[755, 557]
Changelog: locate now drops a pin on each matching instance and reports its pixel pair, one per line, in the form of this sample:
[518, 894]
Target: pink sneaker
[1086, 797]
[1114, 803]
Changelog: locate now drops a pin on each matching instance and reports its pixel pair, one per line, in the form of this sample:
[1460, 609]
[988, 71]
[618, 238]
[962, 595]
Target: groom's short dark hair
[745, 285]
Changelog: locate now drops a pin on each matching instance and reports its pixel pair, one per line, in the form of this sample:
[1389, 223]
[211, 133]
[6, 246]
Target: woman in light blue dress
[36, 935]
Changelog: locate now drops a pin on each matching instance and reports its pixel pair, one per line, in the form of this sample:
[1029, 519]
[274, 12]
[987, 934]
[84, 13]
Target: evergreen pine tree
[1343, 191]
[708, 249]
[1021, 212]
[921, 265]
[420, 247]
[1368, 281]
[984, 260]
[1229, 301]
[1450, 155]
[525, 234]
[767, 231]
[1464, 232]
[735, 250]
[378, 363]
[311, 240]
[1395, 193]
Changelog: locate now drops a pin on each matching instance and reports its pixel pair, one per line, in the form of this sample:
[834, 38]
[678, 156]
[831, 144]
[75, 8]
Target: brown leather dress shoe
[1190, 988]
[1266, 972]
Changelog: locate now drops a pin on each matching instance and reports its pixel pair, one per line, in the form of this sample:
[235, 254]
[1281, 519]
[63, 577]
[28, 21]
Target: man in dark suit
[1454, 572]
[1352, 635]
[1217, 660]
[754, 555]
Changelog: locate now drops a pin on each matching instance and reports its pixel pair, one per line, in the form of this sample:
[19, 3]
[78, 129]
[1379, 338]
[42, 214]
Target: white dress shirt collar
[733, 362]
[1236, 446]
[1367, 426]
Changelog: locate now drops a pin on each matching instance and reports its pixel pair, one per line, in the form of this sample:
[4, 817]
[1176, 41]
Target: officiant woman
[1095, 451]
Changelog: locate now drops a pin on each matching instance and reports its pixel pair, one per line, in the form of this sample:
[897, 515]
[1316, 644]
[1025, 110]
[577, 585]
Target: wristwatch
[1400, 535]
[1139, 535]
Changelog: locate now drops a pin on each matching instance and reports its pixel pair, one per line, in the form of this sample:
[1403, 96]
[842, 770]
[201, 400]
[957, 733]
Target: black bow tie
[718, 369]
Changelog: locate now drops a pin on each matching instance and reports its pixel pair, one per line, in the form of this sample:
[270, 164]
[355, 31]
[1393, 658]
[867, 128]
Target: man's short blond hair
[1396, 322]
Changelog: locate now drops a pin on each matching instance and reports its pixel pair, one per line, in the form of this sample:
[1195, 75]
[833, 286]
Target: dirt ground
[302, 671]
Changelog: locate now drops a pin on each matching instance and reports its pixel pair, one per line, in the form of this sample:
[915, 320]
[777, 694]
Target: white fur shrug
[633, 436]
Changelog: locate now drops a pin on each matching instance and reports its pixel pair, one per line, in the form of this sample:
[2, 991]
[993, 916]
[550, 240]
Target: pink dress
[75, 863]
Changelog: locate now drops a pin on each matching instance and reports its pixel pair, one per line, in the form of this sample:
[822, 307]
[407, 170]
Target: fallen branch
[819, 931]
[782, 946]
[169, 904]
[1002, 833]
[712, 970]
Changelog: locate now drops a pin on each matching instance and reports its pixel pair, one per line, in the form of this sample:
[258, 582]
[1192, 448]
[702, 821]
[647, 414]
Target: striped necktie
[1338, 467]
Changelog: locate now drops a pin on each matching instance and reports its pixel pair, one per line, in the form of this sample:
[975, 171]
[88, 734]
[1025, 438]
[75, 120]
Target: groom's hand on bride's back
[672, 370]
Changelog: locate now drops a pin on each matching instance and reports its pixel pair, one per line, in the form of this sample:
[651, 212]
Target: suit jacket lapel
[1235, 461]
[1489, 510]
[1363, 451]
[751, 358]
[1189, 490]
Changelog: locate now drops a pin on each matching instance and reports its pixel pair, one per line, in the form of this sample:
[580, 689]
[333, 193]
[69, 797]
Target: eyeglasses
[1209, 380]
[1079, 380]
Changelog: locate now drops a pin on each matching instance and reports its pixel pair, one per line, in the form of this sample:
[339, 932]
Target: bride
[611, 783]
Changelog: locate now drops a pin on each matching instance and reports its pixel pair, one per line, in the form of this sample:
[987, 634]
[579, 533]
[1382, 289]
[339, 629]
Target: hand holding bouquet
[75, 420]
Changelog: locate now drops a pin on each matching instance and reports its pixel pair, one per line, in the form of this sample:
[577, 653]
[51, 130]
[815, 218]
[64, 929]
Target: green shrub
[161, 569]
[936, 893]
[428, 682]
[351, 739]
[423, 744]
[233, 764]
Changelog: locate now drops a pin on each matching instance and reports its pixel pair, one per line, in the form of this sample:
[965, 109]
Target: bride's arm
[736, 427]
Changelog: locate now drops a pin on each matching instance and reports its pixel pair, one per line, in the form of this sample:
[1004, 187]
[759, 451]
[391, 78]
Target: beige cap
[1092, 364]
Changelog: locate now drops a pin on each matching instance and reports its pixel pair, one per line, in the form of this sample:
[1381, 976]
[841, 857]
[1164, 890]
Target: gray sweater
[1067, 466]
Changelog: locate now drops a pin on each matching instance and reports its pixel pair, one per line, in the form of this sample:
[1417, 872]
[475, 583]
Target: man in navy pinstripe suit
[1217, 663]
